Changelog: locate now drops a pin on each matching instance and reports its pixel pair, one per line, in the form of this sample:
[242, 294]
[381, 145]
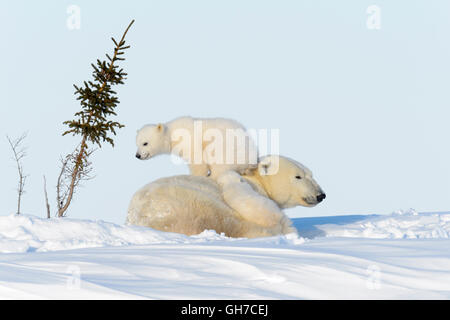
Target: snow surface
[404, 255]
[399, 225]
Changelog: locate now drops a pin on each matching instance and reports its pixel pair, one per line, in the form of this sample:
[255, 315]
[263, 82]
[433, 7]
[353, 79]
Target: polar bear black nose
[138, 155]
[320, 197]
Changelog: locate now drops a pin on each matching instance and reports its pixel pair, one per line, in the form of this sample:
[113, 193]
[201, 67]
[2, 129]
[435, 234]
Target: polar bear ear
[264, 168]
[161, 127]
[268, 166]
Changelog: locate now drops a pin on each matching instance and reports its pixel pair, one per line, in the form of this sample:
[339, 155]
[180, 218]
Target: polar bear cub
[210, 146]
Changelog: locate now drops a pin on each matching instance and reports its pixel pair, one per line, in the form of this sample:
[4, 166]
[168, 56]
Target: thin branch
[59, 185]
[68, 177]
[19, 153]
[47, 205]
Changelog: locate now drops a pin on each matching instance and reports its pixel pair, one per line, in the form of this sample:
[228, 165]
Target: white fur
[153, 140]
[250, 204]
[279, 175]
[239, 206]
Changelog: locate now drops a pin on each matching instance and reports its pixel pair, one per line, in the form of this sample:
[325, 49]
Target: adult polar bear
[191, 204]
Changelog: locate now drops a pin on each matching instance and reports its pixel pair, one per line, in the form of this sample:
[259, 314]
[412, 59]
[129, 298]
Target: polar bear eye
[298, 177]
[145, 143]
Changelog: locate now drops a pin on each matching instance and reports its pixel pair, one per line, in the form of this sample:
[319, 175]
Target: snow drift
[401, 224]
[400, 256]
[26, 233]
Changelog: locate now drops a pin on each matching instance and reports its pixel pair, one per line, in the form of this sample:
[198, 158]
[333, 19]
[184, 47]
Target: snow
[401, 224]
[26, 233]
[404, 255]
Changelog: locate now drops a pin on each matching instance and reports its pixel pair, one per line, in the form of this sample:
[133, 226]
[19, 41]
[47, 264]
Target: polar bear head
[151, 140]
[288, 182]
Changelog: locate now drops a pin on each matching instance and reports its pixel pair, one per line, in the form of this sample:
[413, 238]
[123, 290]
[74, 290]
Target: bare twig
[46, 198]
[66, 186]
[19, 153]
[60, 194]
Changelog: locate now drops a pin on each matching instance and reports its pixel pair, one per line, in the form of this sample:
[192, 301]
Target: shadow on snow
[307, 227]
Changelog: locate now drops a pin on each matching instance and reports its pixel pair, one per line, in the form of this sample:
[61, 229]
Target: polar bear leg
[251, 205]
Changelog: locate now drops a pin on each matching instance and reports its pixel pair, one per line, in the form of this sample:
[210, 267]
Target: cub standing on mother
[247, 202]
[207, 145]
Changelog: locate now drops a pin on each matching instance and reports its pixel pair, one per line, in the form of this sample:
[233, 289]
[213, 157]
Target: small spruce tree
[98, 102]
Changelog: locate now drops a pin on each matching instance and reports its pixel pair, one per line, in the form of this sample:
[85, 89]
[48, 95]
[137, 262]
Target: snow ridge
[26, 233]
[401, 224]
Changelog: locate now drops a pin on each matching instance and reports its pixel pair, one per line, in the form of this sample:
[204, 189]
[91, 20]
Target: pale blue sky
[366, 110]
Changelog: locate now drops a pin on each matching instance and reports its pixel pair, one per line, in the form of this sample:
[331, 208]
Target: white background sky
[366, 110]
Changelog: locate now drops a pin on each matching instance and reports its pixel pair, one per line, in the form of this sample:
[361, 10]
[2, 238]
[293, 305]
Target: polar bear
[210, 146]
[238, 206]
